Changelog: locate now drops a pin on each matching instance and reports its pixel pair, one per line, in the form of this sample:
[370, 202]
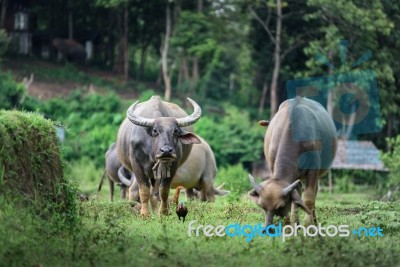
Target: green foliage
[91, 120]
[234, 138]
[11, 93]
[363, 25]
[344, 184]
[110, 234]
[392, 162]
[30, 165]
[85, 173]
[235, 179]
[4, 42]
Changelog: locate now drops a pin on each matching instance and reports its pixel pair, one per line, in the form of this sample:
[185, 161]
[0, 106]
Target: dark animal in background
[181, 211]
[300, 143]
[116, 173]
[70, 49]
[153, 141]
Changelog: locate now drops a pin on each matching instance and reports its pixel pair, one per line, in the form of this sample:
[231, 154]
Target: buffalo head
[167, 132]
[275, 197]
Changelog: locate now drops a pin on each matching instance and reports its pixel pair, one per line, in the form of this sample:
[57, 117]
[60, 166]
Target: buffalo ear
[299, 203]
[254, 196]
[188, 138]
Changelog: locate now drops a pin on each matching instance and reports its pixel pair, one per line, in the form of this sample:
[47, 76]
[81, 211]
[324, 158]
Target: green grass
[113, 234]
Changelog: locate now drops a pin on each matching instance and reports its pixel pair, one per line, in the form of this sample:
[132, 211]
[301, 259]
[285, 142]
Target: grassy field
[113, 234]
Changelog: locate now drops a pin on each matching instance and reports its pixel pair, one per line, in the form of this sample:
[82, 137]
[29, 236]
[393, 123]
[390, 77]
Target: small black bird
[181, 211]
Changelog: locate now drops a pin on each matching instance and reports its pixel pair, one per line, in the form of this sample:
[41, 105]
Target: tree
[292, 39]
[164, 53]
[121, 6]
[364, 25]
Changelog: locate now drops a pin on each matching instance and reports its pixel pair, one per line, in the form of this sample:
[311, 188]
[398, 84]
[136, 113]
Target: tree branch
[263, 24]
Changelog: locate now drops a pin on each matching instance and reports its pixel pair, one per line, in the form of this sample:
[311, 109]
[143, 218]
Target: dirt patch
[45, 90]
[45, 87]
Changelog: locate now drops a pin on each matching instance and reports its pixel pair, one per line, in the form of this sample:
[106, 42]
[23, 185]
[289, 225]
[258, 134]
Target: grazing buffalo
[70, 49]
[116, 173]
[300, 144]
[154, 140]
[197, 175]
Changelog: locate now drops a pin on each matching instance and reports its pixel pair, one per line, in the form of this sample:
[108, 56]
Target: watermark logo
[351, 98]
[249, 232]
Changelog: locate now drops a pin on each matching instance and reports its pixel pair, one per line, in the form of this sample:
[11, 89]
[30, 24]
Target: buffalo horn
[290, 187]
[191, 119]
[256, 186]
[136, 119]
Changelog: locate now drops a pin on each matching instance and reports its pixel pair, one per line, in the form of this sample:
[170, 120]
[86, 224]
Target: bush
[234, 138]
[4, 42]
[30, 165]
[11, 93]
[235, 179]
[91, 122]
[392, 161]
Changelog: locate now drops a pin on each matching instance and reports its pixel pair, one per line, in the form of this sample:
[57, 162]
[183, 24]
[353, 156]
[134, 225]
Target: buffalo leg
[294, 216]
[144, 192]
[190, 195]
[111, 183]
[206, 189]
[133, 192]
[310, 194]
[164, 192]
[123, 191]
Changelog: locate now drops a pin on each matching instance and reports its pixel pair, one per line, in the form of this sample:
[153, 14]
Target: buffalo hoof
[164, 212]
[310, 220]
[144, 212]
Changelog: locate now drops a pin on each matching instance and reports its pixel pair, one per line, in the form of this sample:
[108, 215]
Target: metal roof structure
[358, 155]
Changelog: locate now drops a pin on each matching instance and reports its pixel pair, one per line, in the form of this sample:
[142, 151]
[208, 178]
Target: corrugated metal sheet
[357, 155]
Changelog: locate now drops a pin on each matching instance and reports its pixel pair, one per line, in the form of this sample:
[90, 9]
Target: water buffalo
[197, 175]
[116, 173]
[70, 49]
[300, 144]
[153, 141]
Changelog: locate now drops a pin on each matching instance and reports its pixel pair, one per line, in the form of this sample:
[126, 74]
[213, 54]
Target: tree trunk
[277, 59]
[185, 69]
[164, 55]
[142, 62]
[125, 43]
[262, 99]
[3, 13]
[195, 60]
[200, 5]
[70, 24]
[195, 70]
[119, 61]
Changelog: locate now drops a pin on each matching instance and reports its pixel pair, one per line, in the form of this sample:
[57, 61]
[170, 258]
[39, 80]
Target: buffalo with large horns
[153, 141]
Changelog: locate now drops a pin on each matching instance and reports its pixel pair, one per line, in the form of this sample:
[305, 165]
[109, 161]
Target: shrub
[11, 93]
[30, 165]
[234, 138]
[235, 179]
[91, 122]
[4, 42]
[392, 161]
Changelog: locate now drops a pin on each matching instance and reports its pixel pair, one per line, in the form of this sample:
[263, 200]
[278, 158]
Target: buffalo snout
[166, 149]
[166, 153]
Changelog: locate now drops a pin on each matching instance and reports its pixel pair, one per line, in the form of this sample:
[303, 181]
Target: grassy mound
[30, 164]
